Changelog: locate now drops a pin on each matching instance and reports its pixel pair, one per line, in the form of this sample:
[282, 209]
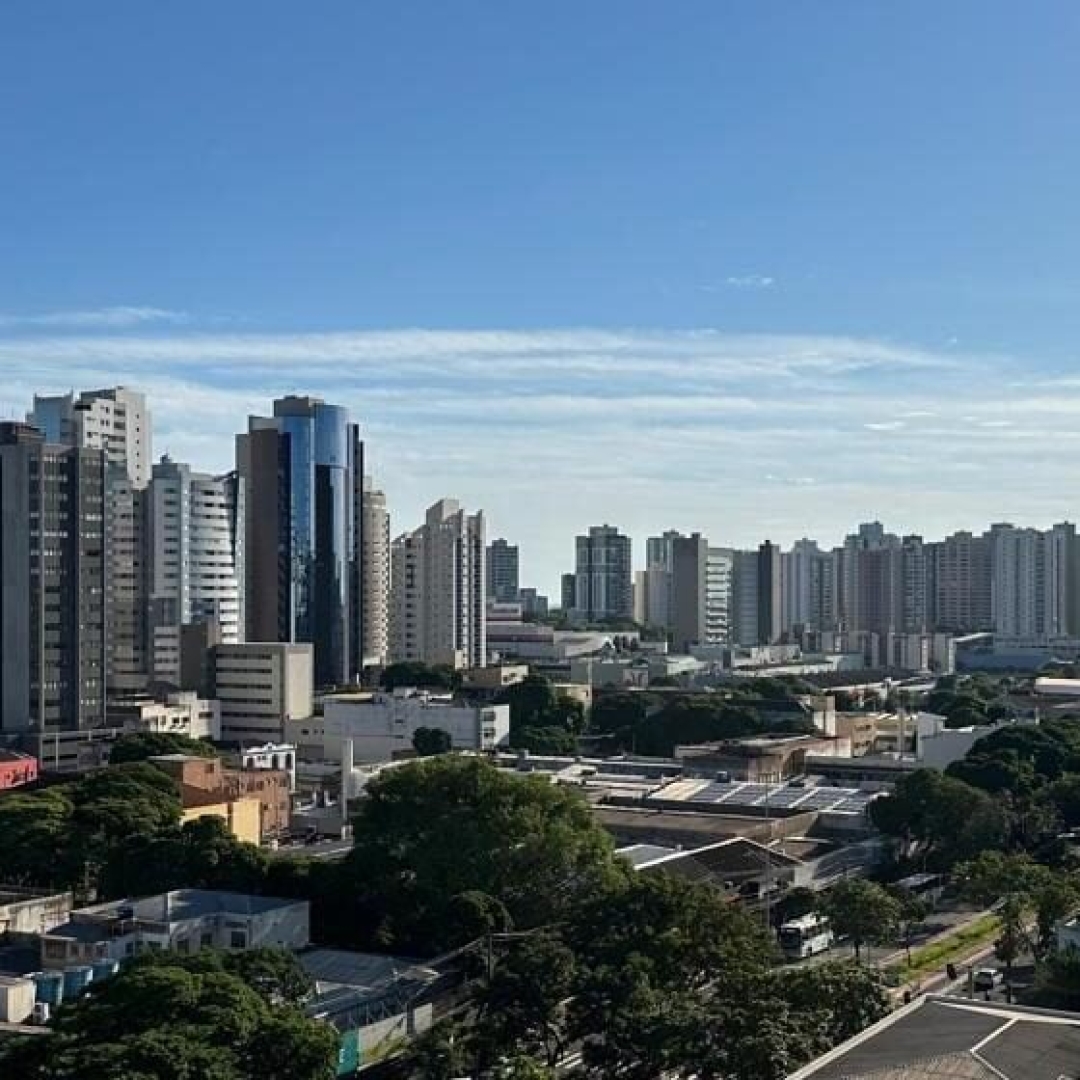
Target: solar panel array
[783, 797]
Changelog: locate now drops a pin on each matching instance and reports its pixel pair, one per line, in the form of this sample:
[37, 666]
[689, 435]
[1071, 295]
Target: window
[237, 939]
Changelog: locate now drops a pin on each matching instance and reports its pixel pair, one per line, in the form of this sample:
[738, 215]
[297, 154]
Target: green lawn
[937, 954]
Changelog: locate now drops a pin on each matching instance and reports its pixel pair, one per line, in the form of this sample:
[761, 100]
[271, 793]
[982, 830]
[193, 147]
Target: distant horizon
[492, 435]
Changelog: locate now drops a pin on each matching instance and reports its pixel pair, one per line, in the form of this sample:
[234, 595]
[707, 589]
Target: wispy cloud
[550, 430]
[107, 318]
[750, 281]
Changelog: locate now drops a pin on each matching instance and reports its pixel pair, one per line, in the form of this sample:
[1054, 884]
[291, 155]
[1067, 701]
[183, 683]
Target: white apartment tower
[115, 421]
[438, 590]
[195, 559]
[1035, 590]
[374, 573]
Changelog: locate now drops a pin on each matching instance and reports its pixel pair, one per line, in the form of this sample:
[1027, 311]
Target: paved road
[324, 849]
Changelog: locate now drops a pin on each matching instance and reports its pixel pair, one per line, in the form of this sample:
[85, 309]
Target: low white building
[182, 713]
[382, 725]
[279, 757]
[185, 920]
[937, 746]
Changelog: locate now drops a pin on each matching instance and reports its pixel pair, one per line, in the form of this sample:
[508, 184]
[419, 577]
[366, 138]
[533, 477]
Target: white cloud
[750, 281]
[108, 318]
[553, 430]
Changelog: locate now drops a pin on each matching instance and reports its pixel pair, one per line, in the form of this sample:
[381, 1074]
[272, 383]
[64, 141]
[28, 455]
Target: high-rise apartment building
[116, 422]
[438, 585]
[299, 470]
[1035, 591]
[52, 585]
[372, 575]
[719, 565]
[194, 529]
[803, 577]
[503, 572]
[603, 578]
[689, 586]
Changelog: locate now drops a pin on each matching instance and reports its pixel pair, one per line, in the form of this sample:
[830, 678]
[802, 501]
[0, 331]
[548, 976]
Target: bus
[805, 936]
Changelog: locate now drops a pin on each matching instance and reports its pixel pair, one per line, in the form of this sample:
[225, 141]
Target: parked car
[986, 979]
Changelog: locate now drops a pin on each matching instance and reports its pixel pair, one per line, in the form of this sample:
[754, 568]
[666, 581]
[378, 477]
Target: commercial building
[195, 533]
[180, 713]
[183, 920]
[299, 469]
[603, 575]
[53, 577]
[116, 422]
[381, 726]
[218, 785]
[746, 610]
[503, 572]
[261, 685]
[438, 590]
[17, 769]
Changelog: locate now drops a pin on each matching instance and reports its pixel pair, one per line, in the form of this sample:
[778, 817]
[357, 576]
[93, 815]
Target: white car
[987, 979]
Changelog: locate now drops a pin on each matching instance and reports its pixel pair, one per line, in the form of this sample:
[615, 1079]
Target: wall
[29, 914]
[243, 817]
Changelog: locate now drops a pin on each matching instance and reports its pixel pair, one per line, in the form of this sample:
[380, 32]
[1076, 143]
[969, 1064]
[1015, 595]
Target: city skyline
[655, 461]
[814, 266]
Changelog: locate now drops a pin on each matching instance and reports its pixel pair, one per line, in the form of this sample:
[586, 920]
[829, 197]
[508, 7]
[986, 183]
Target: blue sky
[757, 269]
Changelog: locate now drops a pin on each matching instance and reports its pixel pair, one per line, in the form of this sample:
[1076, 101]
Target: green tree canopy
[430, 831]
[429, 741]
[863, 912]
[138, 746]
[422, 676]
[163, 1020]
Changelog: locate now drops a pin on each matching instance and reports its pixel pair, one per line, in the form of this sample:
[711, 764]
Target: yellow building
[242, 816]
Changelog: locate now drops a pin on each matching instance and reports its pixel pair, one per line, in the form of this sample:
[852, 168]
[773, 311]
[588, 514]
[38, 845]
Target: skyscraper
[373, 577]
[1036, 582]
[503, 581]
[689, 583]
[438, 585]
[299, 472]
[116, 422]
[603, 578]
[53, 576]
[195, 559]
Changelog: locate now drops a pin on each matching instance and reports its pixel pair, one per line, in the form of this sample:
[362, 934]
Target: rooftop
[938, 1038]
[176, 906]
[783, 797]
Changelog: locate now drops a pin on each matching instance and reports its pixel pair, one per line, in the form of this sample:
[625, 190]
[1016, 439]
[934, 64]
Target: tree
[138, 746]
[847, 997]
[621, 717]
[440, 827]
[651, 949]
[863, 912]
[158, 1020]
[541, 720]
[201, 854]
[37, 849]
[429, 741]
[422, 676]
[524, 1004]
[948, 819]
[913, 912]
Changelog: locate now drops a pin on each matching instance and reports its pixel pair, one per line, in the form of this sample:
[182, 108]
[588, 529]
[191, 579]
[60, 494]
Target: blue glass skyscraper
[300, 469]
